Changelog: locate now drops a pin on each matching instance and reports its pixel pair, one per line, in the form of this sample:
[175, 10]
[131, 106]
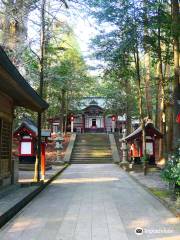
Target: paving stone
[93, 202]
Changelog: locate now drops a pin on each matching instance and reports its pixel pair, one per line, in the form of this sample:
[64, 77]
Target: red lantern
[113, 118]
[178, 118]
[72, 118]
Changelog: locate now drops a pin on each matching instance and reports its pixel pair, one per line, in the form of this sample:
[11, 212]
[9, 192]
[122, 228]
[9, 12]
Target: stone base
[58, 163]
[5, 181]
[30, 167]
[124, 165]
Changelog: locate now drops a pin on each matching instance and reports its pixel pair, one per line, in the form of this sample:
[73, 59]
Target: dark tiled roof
[149, 128]
[14, 85]
[30, 125]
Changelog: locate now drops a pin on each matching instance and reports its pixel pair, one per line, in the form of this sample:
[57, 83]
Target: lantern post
[124, 164]
[72, 123]
[58, 140]
[113, 123]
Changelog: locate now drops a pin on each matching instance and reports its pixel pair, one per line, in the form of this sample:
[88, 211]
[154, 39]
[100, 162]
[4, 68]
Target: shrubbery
[171, 171]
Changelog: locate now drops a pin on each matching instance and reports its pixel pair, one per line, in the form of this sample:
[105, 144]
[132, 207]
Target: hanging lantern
[72, 118]
[113, 118]
[178, 118]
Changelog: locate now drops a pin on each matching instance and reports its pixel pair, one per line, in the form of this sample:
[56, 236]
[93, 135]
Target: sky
[84, 28]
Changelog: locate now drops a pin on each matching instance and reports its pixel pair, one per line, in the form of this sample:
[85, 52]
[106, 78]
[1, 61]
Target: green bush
[145, 158]
[171, 171]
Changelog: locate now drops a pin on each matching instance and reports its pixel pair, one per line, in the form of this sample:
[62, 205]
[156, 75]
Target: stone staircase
[92, 148]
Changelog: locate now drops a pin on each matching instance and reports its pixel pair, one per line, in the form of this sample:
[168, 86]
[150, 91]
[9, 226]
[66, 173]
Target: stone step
[93, 145]
[88, 144]
[92, 159]
[92, 154]
[89, 162]
[92, 148]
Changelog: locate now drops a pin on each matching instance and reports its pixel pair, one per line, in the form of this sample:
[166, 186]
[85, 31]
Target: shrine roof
[14, 85]
[93, 109]
[31, 126]
[149, 129]
[93, 101]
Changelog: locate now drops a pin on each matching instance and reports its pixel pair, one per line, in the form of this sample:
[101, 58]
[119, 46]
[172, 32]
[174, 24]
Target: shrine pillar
[104, 119]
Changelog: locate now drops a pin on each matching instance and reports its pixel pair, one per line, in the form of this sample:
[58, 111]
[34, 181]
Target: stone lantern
[58, 146]
[124, 148]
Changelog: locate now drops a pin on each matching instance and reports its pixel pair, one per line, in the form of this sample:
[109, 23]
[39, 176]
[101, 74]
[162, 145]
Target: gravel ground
[151, 180]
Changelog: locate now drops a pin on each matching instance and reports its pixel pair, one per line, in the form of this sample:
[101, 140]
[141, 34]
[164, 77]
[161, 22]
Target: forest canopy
[138, 42]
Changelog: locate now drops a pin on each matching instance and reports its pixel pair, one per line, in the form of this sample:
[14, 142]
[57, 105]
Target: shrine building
[91, 116]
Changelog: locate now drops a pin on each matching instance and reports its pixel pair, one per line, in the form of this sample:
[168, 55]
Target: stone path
[13, 194]
[93, 202]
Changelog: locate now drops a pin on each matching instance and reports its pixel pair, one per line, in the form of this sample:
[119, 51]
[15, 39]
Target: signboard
[149, 148]
[26, 148]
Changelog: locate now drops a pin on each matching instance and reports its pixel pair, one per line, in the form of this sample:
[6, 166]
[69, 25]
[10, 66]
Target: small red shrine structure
[135, 141]
[26, 134]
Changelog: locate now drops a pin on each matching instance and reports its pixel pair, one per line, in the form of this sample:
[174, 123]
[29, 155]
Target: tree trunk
[14, 23]
[137, 64]
[147, 85]
[41, 76]
[176, 82]
[169, 124]
[169, 112]
[157, 100]
[62, 109]
[162, 116]
[147, 65]
[128, 106]
[66, 114]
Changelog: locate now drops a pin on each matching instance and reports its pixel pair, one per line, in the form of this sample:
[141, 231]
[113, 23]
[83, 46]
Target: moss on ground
[161, 193]
[166, 196]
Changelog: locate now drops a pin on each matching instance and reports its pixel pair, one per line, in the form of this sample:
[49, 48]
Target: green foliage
[66, 71]
[145, 159]
[132, 25]
[171, 171]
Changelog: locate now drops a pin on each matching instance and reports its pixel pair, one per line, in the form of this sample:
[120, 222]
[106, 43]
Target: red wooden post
[104, 119]
[43, 160]
[83, 120]
[178, 118]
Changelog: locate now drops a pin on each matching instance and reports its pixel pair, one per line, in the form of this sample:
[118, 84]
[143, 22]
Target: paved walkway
[92, 202]
[12, 195]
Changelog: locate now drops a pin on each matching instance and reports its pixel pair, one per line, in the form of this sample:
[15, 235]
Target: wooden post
[43, 160]
[83, 120]
[38, 154]
[104, 118]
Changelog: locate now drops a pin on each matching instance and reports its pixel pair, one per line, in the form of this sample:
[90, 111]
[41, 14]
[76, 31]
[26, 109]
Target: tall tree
[176, 82]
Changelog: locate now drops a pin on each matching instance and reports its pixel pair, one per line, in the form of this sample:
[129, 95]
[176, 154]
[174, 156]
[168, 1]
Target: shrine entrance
[94, 119]
[94, 122]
